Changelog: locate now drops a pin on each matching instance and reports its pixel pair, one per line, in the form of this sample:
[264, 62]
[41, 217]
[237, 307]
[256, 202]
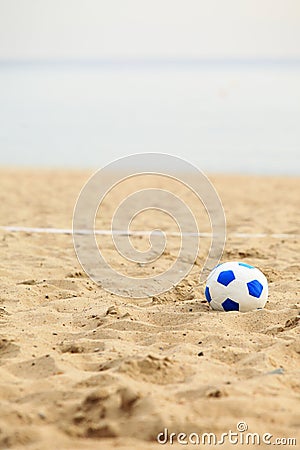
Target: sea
[222, 116]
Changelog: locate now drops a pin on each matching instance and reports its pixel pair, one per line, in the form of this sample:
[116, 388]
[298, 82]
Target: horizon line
[152, 61]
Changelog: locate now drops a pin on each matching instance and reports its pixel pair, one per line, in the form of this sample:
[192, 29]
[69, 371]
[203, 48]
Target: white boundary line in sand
[141, 233]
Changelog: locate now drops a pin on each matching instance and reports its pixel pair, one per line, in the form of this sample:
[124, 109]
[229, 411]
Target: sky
[99, 29]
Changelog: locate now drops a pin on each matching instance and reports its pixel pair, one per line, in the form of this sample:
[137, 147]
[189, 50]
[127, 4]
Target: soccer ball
[236, 286]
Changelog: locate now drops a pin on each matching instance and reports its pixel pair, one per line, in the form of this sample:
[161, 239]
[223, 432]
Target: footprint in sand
[114, 411]
[8, 349]
[35, 368]
[151, 369]
[81, 346]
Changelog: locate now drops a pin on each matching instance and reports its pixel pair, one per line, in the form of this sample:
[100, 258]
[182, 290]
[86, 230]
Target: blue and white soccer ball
[236, 286]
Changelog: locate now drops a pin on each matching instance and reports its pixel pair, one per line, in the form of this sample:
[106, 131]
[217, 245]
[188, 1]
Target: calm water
[222, 118]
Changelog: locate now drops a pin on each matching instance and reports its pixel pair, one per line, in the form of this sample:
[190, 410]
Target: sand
[83, 369]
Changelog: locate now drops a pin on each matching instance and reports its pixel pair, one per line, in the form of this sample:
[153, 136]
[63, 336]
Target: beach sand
[83, 369]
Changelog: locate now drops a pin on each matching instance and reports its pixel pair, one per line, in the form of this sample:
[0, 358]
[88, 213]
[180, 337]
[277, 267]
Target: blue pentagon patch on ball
[226, 277]
[207, 294]
[255, 288]
[230, 305]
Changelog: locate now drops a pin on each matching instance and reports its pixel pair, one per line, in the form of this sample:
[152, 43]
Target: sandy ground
[83, 369]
